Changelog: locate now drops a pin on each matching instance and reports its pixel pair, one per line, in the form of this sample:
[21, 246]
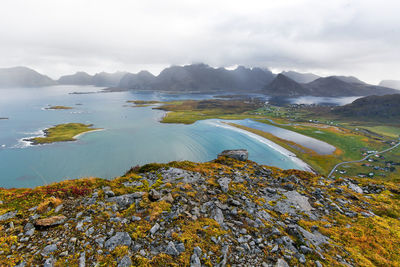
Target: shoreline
[290, 155]
[94, 130]
[28, 141]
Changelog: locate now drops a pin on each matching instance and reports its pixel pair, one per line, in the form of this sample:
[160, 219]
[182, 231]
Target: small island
[62, 133]
[143, 103]
[3, 118]
[59, 107]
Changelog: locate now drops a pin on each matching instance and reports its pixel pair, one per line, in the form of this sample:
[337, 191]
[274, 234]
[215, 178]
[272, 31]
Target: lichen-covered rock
[224, 183]
[125, 261]
[8, 215]
[49, 222]
[154, 195]
[119, 239]
[239, 154]
[124, 201]
[171, 249]
[49, 249]
[220, 213]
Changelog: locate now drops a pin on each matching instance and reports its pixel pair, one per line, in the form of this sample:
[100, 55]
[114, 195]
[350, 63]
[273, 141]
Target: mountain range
[200, 77]
[203, 78]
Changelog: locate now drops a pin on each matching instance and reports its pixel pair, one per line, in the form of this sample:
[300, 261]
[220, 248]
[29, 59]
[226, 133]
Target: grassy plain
[190, 111]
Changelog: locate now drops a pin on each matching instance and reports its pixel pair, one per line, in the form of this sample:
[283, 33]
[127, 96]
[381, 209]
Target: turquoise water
[131, 136]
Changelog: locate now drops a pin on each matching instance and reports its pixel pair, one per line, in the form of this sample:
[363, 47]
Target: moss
[139, 229]
[157, 183]
[51, 202]
[198, 233]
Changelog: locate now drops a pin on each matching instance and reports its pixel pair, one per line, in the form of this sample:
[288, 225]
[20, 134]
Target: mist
[359, 38]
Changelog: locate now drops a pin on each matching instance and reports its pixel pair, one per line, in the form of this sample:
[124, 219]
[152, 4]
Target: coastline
[28, 141]
[290, 155]
[24, 141]
[90, 131]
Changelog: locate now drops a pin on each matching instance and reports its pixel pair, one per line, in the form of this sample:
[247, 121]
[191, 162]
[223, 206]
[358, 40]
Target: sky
[329, 37]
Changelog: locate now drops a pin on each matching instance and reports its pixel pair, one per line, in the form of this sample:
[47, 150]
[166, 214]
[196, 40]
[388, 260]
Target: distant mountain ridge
[300, 77]
[23, 77]
[203, 78]
[200, 77]
[102, 79]
[79, 78]
[332, 86]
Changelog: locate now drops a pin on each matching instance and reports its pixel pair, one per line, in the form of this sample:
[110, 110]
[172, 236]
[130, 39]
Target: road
[355, 161]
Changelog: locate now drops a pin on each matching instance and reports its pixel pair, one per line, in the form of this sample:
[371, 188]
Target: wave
[24, 143]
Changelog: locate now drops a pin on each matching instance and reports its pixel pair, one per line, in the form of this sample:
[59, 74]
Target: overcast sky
[56, 37]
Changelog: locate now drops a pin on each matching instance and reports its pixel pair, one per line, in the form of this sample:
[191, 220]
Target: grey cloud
[359, 37]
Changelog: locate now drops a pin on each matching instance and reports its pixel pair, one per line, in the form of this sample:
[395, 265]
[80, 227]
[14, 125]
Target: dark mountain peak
[241, 68]
[145, 73]
[284, 86]
[197, 66]
[79, 78]
[140, 81]
[108, 79]
[283, 80]
[81, 73]
[349, 79]
[329, 79]
[300, 77]
[280, 76]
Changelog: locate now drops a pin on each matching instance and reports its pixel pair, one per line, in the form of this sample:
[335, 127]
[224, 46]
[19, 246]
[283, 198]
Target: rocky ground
[228, 212]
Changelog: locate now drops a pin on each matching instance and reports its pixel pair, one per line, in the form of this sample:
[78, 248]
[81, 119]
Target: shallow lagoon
[131, 136]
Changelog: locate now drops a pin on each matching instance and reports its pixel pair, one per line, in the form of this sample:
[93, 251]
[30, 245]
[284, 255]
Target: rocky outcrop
[227, 212]
[239, 154]
[51, 221]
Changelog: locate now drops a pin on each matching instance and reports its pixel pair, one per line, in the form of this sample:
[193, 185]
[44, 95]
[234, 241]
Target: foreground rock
[227, 212]
[51, 221]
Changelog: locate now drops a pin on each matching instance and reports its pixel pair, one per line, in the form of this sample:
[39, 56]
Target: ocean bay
[131, 136]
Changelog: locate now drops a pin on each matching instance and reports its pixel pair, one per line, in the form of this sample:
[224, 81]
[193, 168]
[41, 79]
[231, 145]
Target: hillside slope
[220, 213]
[79, 78]
[385, 107]
[333, 86]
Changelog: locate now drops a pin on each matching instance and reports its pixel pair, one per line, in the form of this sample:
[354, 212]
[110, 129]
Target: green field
[62, 132]
[190, 111]
[351, 138]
